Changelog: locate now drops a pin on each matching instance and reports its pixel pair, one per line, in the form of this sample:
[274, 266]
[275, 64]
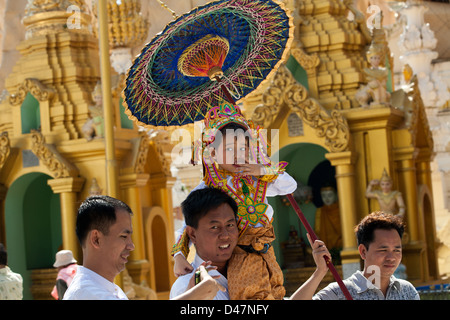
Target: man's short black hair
[377, 220]
[200, 202]
[98, 212]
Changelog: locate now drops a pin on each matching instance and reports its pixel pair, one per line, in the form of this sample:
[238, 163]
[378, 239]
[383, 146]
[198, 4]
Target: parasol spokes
[205, 57]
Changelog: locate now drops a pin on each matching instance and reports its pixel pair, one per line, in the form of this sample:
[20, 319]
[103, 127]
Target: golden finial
[95, 189]
[385, 176]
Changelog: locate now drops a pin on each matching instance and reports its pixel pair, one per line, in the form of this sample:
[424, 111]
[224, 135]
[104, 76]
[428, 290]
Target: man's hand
[181, 266]
[319, 251]
[252, 169]
[206, 289]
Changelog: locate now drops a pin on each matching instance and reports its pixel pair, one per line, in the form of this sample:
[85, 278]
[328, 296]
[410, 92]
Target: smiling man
[379, 238]
[210, 216]
[104, 230]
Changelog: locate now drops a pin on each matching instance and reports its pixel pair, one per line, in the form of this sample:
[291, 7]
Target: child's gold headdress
[220, 116]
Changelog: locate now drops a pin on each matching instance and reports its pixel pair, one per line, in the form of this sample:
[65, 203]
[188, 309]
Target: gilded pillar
[405, 158]
[138, 267]
[426, 214]
[162, 194]
[414, 255]
[68, 189]
[5, 151]
[105, 68]
[423, 167]
[344, 162]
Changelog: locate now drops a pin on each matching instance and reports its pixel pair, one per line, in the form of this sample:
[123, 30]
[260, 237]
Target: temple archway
[158, 250]
[33, 226]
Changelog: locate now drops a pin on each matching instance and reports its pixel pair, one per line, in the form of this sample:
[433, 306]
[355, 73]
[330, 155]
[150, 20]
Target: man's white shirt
[89, 285]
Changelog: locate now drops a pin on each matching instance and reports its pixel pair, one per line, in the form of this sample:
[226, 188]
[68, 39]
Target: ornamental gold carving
[308, 62]
[127, 26]
[95, 189]
[5, 148]
[38, 6]
[285, 89]
[49, 17]
[33, 86]
[141, 159]
[47, 154]
[417, 113]
[331, 126]
[161, 142]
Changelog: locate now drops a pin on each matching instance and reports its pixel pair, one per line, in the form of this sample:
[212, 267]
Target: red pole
[314, 238]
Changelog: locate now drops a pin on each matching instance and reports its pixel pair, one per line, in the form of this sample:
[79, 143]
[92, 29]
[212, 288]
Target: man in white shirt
[89, 285]
[11, 283]
[210, 216]
[104, 230]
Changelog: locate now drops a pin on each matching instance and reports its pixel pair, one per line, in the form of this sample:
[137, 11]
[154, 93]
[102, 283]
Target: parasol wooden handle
[225, 91]
[314, 238]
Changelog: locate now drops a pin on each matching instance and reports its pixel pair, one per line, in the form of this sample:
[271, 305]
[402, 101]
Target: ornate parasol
[225, 46]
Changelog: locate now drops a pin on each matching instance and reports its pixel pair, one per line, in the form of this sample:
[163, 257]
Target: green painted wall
[125, 122]
[33, 226]
[297, 71]
[30, 114]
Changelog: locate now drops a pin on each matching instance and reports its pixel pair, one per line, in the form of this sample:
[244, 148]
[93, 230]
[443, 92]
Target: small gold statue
[390, 201]
[375, 92]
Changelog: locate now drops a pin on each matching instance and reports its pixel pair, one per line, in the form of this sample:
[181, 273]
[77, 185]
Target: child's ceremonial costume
[253, 272]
